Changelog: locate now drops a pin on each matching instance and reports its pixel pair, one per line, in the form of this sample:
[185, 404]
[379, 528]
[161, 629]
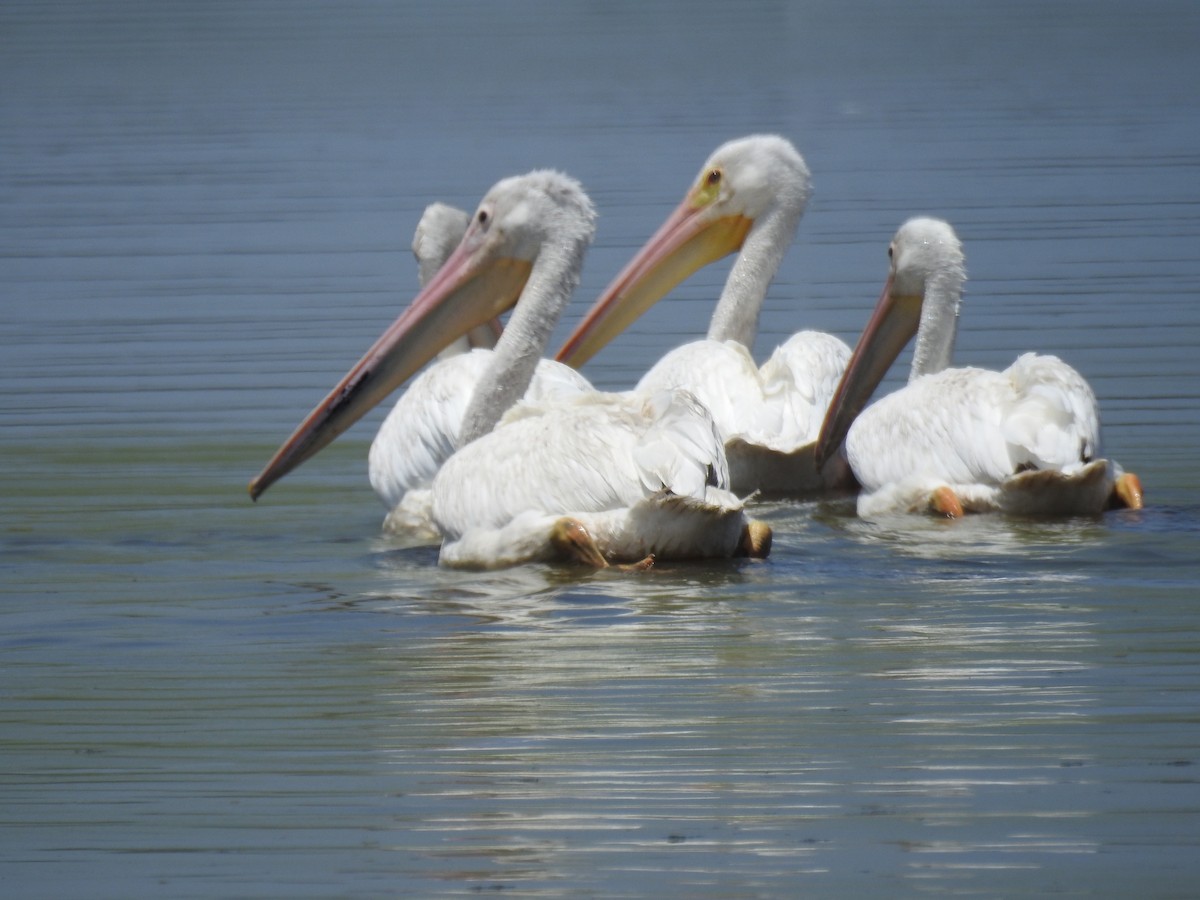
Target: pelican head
[484, 277]
[920, 297]
[742, 186]
[439, 231]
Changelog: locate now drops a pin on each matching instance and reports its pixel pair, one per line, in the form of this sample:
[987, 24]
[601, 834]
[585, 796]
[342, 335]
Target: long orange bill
[469, 290]
[687, 241]
[889, 329]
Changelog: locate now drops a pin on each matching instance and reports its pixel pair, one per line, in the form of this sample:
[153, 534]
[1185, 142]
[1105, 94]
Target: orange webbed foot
[944, 502]
[756, 540]
[1127, 492]
[640, 566]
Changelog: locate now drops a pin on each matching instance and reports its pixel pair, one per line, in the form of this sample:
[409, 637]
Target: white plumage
[1024, 441]
[642, 476]
[422, 430]
[594, 480]
[598, 478]
[768, 415]
[749, 197]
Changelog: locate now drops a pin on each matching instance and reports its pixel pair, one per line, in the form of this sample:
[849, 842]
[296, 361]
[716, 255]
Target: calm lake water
[206, 214]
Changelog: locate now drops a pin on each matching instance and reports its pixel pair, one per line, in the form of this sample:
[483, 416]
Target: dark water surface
[205, 216]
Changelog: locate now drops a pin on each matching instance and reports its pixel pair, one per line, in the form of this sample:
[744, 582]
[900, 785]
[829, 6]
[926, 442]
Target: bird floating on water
[954, 440]
[423, 429]
[748, 198]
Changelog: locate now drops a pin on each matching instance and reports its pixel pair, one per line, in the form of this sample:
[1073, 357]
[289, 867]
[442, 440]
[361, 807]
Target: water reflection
[636, 748]
[687, 716]
[973, 535]
[205, 218]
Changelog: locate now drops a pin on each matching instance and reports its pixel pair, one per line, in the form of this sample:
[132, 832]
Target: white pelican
[1023, 441]
[422, 430]
[749, 197]
[595, 480]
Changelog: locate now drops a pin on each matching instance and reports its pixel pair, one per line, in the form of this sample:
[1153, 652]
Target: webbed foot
[640, 566]
[1126, 492]
[756, 540]
[944, 502]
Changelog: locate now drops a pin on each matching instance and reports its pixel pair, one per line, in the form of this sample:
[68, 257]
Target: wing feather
[978, 431]
[1053, 421]
[779, 406]
[422, 430]
[596, 452]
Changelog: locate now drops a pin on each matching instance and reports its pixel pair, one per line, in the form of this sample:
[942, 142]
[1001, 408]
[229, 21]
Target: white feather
[613, 462]
[423, 429]
[1025, 440]
[642, 475]
[769, 415]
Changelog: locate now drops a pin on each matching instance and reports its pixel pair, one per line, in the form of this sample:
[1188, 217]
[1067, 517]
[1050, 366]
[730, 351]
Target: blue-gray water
[205, 215]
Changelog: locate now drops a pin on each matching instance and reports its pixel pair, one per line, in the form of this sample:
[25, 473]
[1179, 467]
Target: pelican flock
[748, 198]
[954, 440]
[598, 479]
[507, 458]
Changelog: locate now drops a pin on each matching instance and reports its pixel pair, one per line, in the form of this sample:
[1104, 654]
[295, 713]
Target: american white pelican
[422, 430]
[749, 197]
[600, 479]
[1023, 441]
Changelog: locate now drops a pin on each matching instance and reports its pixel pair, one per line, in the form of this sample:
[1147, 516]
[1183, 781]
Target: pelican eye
[708, 190]
[482, 218]
[891, 251]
